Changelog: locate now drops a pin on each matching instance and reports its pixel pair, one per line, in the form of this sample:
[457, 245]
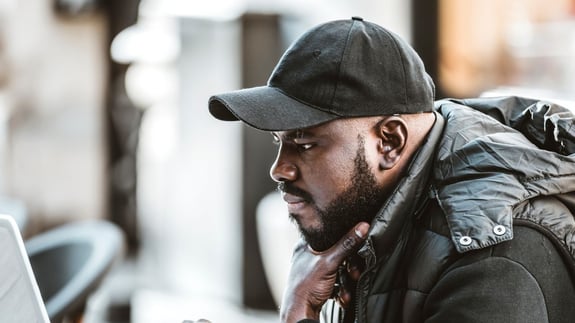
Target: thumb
[349, 243]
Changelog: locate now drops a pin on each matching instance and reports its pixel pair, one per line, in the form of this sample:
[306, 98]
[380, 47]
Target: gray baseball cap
[339, 69]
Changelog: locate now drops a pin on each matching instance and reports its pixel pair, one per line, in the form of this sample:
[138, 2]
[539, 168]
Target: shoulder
[521, 280]
[541, 229]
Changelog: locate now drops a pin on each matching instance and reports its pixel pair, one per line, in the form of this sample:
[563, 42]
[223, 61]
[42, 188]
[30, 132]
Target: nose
[283, 170]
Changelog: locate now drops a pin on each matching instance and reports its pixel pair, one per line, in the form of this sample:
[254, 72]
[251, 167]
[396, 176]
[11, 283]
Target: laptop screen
[20, 299]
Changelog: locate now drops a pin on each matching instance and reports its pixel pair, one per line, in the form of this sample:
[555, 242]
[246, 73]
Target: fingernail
[361, 229]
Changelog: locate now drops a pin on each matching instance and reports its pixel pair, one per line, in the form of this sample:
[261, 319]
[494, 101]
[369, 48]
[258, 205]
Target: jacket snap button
[499, 230]
[465, 241]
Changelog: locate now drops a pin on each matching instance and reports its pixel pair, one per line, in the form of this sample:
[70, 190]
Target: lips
[290, 198]
[295, 203]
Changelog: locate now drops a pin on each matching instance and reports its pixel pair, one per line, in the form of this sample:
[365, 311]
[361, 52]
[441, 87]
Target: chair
[70, 262]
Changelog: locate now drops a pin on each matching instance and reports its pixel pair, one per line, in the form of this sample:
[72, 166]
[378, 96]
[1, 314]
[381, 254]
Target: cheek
[328, 181]
[373, 157]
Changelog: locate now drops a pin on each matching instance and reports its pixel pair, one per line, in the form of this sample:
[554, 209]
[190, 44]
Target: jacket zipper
[368, 254]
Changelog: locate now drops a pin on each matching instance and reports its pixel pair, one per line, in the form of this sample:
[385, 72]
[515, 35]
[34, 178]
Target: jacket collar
[406, 199]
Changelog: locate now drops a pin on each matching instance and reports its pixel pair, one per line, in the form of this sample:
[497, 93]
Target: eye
[304, 147]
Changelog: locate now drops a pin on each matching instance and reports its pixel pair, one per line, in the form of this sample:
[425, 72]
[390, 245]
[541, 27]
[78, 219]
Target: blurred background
[103, 115]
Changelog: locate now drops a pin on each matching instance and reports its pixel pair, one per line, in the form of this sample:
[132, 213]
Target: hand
[313, 275]
[348, 276]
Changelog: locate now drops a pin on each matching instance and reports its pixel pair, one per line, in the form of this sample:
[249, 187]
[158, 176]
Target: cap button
[357, 18]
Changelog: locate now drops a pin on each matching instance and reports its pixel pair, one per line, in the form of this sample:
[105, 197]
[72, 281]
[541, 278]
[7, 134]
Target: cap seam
[343, 53]
[398, 53]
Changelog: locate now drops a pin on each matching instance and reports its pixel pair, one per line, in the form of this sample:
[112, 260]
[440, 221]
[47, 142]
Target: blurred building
[53, 78]
[511, 43]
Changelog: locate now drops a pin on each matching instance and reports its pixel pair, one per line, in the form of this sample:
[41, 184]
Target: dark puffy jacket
[481, 228]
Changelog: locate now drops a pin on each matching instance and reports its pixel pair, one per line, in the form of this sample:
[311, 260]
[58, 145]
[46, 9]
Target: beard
[360, 202]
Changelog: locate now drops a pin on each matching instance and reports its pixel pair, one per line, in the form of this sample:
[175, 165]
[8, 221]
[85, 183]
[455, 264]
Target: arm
[313, 274]
[494, 289]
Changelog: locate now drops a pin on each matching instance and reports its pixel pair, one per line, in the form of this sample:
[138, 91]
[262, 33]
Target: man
[462, 212]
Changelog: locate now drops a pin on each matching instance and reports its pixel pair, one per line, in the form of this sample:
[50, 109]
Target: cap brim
[266, 108]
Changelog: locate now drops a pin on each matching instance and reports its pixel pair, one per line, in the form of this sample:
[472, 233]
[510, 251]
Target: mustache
[293, 190]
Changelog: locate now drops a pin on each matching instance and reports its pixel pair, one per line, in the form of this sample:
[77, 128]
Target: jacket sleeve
[494, 289]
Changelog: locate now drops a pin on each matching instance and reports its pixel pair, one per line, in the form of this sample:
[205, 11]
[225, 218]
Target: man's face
[327, 179]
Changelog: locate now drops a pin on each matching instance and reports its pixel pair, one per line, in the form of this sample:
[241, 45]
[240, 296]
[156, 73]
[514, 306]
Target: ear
[392, 132]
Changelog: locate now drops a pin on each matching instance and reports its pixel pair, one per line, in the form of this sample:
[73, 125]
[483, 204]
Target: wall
[54, 89]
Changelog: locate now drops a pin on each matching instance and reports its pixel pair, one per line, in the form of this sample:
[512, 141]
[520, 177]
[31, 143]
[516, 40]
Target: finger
[349, 242]
[354, 272]
[344, 298]
[354, 266]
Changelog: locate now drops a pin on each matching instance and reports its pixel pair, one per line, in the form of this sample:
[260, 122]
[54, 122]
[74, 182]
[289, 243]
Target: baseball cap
[339, 69]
